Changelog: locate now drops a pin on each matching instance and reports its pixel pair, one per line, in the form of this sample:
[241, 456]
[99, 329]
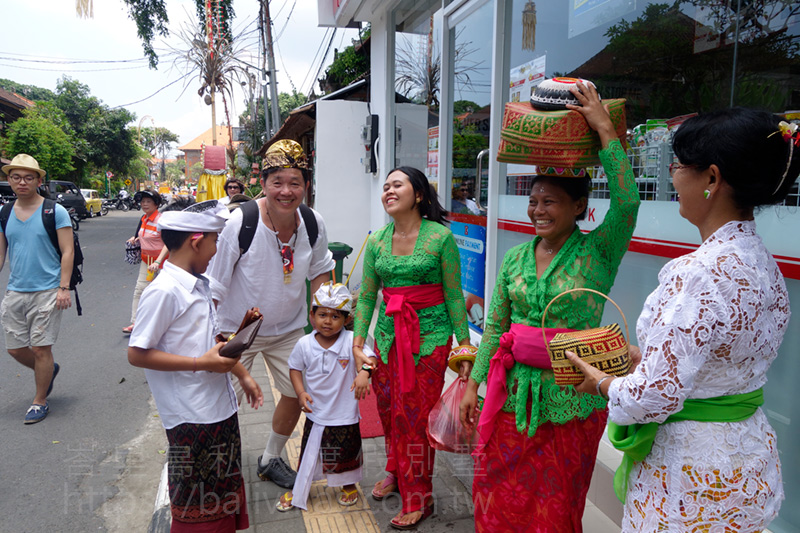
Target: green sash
[636, 440]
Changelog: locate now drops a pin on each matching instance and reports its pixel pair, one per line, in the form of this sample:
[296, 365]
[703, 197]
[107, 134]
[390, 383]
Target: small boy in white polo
[331, 445]
[173, 340]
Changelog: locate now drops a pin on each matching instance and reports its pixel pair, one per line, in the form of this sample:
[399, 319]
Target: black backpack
[250, 218]
[49, 221]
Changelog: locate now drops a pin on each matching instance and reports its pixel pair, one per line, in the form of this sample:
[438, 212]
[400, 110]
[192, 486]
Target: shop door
[465, 138]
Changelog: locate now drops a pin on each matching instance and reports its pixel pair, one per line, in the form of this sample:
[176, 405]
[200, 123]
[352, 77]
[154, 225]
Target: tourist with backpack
[265, 254]
[39, 282]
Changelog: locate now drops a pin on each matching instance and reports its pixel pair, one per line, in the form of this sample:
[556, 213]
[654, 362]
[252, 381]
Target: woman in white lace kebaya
[700, 454]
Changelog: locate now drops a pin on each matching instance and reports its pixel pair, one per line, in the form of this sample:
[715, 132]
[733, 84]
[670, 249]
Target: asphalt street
[63, 474]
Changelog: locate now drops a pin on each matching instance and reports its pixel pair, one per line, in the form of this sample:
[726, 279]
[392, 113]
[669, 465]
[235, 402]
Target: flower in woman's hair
[789, 131]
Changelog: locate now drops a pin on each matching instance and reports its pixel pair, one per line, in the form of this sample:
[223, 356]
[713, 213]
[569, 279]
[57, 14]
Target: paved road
[58, 474]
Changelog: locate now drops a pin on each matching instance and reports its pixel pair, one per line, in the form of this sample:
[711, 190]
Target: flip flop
[388, 481]
[426, 512]
[345, 494]
[285, 503]
[127, 329]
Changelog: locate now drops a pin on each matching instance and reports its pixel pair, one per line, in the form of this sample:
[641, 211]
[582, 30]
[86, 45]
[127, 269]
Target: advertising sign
[471, 241]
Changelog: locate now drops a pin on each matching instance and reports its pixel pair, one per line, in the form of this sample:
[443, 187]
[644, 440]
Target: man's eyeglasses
[234, 187]
[16, 179]
[674, 167]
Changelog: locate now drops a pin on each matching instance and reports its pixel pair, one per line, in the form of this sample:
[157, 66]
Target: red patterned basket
[554, 138]
[604, 348]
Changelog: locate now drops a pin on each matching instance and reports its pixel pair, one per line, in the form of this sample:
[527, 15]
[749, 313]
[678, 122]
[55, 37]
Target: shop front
[461, 61]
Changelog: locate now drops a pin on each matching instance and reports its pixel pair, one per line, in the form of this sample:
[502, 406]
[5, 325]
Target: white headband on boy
[333, 296]
[207, 216]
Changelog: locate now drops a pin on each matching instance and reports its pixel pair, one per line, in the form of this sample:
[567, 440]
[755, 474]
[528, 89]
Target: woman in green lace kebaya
[539, 442]
[415, 260]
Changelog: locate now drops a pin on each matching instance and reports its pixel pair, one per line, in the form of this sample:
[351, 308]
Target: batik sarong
[404, 418]
[536, 484]
[206, 489]
[332, 452]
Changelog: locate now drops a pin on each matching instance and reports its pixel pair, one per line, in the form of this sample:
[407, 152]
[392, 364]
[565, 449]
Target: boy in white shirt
[331, 445]
[173, 340]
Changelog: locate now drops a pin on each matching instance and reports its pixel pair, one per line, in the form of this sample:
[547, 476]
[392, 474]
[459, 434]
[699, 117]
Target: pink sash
[521, 344]
[402, 303]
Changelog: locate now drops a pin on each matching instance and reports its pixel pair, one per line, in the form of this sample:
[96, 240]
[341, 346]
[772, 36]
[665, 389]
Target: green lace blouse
[586, 260]
[435, 260]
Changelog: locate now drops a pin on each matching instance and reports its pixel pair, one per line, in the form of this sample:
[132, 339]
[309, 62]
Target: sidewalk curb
[162, 517]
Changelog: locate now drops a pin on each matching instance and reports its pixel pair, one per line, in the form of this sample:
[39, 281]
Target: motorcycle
[124, 204]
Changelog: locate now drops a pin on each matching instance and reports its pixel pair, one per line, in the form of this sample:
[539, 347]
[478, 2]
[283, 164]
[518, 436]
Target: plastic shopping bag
[444, 430]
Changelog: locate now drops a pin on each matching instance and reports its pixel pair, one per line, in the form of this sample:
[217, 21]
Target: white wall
[343, 188]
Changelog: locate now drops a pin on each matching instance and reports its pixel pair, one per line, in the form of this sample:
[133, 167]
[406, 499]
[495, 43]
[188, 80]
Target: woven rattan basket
[604, 348]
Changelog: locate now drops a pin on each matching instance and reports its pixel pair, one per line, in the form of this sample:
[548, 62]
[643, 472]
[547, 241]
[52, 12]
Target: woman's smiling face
[552, 211]
[398, 194]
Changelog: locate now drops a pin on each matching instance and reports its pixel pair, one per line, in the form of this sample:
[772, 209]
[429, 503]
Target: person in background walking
[153, 250]
[232, 188]
[38, 285]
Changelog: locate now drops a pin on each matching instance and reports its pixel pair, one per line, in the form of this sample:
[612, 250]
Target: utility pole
[263, 46]
[273, 83]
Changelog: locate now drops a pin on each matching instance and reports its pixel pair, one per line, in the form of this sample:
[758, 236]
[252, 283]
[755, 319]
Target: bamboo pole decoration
[529, 26]
[84, 8]
[358, 257]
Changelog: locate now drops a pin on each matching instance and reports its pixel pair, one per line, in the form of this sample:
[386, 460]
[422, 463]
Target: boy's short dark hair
[345, 313]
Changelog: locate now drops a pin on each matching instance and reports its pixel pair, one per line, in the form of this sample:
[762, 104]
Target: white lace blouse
[711, 328]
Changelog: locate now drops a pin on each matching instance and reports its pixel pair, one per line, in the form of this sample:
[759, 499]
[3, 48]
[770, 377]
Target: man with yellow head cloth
[289, 246]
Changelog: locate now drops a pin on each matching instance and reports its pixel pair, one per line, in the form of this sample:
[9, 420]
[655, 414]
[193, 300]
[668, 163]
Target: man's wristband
[368, 368]
[64, 288]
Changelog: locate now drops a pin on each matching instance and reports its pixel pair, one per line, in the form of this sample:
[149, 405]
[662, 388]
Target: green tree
[36, 135]
[151, 19]
[102, 140]
[349, 65]
[31, 92]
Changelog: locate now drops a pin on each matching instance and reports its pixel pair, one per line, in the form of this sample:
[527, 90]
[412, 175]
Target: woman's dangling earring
[706, 194]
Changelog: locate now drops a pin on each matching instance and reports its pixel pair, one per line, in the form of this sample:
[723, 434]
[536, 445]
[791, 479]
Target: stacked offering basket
[604, 348]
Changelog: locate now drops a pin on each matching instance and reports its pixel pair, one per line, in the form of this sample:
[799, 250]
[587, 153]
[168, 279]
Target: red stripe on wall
[789, 266]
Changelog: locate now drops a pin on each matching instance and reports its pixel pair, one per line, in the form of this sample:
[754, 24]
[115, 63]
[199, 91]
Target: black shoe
[278, 472]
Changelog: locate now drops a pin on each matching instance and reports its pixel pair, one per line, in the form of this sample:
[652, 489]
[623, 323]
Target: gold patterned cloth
[285, 154]
[560, 139]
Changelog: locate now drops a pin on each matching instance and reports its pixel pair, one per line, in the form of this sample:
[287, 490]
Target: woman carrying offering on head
[538, 441]
[415, 260]
[700, 454]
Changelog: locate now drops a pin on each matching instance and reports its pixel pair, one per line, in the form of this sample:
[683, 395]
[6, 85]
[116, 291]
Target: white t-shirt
[328, 375]
[176, 315]
[256, 279]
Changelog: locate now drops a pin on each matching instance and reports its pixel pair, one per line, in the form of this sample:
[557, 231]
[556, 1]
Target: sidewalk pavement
[453, 500]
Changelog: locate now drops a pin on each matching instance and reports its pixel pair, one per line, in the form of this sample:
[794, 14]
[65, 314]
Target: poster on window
[524, 78]
[432, 169]
[471, 241]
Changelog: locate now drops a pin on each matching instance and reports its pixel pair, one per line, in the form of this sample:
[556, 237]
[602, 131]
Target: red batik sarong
[536, 484]
[404, 418]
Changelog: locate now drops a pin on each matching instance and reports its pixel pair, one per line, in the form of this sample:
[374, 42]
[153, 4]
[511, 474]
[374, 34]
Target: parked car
[70, 195]
[6, 192]
[93, 203]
